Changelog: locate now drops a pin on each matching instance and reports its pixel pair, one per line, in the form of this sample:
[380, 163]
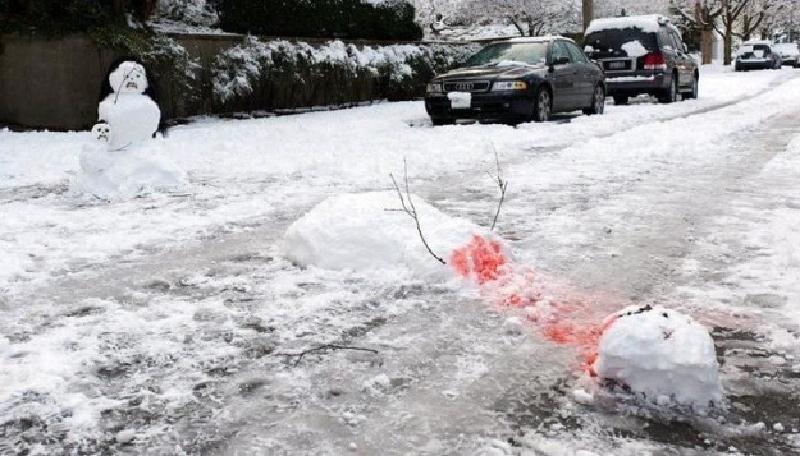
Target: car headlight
[509, 85]
[435, 87]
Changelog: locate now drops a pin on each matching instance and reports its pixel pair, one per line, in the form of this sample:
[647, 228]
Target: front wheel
[695, 89]
[543, 106]
[598, 102]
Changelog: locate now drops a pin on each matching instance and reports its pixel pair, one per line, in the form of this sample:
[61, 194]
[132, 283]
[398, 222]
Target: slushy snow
[661, 354]
[369, 231]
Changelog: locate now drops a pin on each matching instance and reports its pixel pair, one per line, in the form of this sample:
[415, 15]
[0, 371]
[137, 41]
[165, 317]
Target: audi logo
[465, 86]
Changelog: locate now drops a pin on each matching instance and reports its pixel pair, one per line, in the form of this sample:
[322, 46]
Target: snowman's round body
[133, 119]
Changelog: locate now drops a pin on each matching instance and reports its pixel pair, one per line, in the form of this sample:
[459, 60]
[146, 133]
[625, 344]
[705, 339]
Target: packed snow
[661, 354]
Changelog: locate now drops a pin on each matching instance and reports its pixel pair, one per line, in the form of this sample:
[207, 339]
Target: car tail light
[655, 61]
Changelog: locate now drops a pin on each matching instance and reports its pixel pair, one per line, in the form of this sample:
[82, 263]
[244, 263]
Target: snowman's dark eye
[106, 130]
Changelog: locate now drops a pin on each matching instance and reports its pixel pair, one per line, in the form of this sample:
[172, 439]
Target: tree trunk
[707, 46]
[727, 43]
[588, 13]
[118, 6]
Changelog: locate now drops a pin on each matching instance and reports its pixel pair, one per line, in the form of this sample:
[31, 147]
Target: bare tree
[529, 17]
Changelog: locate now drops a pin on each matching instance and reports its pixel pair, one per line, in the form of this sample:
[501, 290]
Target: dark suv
[516, 81]
[642, 55]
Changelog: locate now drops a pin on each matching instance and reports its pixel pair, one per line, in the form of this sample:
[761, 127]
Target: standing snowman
[124, 162]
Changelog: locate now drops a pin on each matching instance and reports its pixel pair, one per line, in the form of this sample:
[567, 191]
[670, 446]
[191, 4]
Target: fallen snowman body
[662, 355]
[370, 231]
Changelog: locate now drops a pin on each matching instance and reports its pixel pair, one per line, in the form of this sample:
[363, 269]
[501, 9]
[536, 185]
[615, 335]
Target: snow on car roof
[536, 39]
[754, 42]
[648, 23]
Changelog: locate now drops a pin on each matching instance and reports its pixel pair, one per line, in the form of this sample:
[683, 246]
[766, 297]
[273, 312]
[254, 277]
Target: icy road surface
[168, 324]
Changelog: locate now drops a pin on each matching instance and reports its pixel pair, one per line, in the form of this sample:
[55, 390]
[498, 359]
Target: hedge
[267, 75]
[350, 19]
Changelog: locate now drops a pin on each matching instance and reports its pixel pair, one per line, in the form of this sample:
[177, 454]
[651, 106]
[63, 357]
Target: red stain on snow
[564, 318]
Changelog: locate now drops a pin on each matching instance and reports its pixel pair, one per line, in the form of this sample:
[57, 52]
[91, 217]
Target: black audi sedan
[518, 80]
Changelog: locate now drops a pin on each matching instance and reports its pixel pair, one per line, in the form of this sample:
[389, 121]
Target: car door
[586, 81]
[684, 61]
[563, 75]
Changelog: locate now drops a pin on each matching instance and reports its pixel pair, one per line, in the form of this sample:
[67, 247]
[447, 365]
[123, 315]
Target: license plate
[460, 100]
[615, 65]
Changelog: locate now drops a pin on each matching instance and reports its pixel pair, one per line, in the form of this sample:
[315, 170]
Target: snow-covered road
[162, 323]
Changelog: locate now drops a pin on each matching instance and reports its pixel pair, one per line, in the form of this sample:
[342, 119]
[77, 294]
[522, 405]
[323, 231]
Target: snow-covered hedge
[279, 74]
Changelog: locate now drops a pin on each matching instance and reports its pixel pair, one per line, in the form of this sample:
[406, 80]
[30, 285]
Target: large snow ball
[370, 231]
[124, 174]
[662, 354]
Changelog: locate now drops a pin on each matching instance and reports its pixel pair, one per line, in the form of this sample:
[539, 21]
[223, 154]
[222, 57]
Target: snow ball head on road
[662, 354]
[367, 232]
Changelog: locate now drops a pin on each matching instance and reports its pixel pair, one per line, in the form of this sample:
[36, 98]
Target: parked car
[757, 55]
[789, 52]
[518, 80]
[642, 55]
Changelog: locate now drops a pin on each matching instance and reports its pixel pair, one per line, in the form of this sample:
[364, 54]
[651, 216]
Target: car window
[612, 42]
[577, 55]
[560, 51]
[677, 40]
[510, 53]
[665, 38]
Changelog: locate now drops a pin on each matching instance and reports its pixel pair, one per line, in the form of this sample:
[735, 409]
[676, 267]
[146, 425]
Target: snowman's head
[128, 77]
[101, 131]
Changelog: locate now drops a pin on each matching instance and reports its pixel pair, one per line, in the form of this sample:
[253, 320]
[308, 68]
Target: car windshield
[788, 48]
[510, 54]
[620, 42]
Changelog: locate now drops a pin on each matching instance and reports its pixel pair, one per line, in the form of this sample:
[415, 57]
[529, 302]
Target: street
[172, 324]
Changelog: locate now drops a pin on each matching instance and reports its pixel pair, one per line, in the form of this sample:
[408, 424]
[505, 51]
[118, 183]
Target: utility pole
[588, 13]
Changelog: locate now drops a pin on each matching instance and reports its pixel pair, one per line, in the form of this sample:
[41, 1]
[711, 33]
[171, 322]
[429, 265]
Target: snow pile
[369, 231]
[662, 354]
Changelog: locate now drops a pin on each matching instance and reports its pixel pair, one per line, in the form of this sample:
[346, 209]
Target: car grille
[466, 86]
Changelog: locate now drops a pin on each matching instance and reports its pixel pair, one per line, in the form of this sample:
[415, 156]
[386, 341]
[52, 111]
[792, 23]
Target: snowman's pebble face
[129, 77]
[101, 132]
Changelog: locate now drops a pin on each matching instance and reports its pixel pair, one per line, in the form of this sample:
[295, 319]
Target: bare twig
[502, 184]
[411, 210]
[321, 348]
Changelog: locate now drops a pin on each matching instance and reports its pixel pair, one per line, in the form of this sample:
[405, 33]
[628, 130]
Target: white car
[790, 53]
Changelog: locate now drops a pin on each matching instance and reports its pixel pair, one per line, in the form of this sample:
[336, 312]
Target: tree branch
[502, 184]
[321, 348]
[411, 210]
